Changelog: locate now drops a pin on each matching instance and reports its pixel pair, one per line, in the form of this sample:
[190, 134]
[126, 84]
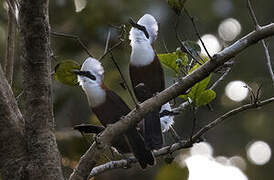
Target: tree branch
[43, 156]
[197, 32]
[75, 37]
[257, 27]
[11, 40]
[180, 145]
[12, 149]
[178, 88]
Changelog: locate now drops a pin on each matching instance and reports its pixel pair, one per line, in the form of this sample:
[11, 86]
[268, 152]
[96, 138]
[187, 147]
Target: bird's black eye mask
[86, 74]
[138, 26]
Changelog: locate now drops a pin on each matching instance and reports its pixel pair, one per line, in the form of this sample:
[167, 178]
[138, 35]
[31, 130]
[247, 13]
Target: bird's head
[91, 73]
[145, 29]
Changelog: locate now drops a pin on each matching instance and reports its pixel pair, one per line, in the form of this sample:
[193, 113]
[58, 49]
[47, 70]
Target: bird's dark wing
[135, 140]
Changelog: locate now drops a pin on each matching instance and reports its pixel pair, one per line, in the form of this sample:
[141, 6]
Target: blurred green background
[230, 139]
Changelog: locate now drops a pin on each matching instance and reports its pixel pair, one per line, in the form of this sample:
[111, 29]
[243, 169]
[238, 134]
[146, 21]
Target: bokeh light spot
[236, 90]
[211, 43]
[202, 148]
[238, 161]
[259, 152]
[229, 29]
[202, 167]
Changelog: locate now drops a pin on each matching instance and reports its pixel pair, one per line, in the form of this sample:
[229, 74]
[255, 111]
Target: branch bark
[43, 155]
[12, 148]
[83, 169]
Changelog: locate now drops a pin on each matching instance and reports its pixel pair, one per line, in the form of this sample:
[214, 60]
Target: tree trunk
[44, 159]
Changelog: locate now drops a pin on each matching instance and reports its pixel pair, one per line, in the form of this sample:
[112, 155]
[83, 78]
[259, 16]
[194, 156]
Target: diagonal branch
[84, 167]
[75, 37]
[180, 145]
[231, 113]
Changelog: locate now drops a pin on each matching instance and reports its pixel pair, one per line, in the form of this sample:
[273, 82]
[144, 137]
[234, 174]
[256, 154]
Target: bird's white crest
[142, 51]
[151, 26]
[166, 121]
[96, 95]
[93, 65]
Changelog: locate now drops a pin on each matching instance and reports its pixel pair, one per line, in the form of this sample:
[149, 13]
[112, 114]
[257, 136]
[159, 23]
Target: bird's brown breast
[151, 75]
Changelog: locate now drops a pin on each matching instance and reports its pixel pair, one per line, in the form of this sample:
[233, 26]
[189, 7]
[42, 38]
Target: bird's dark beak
[138, 26]
[78, 72]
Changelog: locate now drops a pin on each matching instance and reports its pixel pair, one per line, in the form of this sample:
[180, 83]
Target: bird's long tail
[152, 131]
[138, 148]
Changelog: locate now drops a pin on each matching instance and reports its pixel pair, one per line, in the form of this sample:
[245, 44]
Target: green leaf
[197, 90]
[64, 72]
[199, 87]
[182, 55]
[173, 60]
[173, 172]
[205, 97]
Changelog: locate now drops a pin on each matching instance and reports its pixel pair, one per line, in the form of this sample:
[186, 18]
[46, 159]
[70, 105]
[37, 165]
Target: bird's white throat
[96, 95]
[142, 53]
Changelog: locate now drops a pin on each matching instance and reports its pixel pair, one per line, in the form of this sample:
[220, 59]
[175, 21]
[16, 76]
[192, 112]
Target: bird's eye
[87, 74]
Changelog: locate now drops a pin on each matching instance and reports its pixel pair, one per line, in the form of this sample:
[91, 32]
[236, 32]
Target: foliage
[198, 93]
[172, 172]
[64, 72]
[174, 60]
[178, 61]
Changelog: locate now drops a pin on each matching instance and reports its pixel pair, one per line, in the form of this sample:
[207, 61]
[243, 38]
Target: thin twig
[165, 45]
[111, 49]
[107, 41]
[231, 113]
[174, 134]
[13, 4]
[257, 27]
[19, 95]
[268, 63]
[11, 42]
[220, 79]
[181, 107]
[197, 32]
[180, 145]
[75, 37]
[183, 46]
[124, 80]
[121, 40]
[252, 14]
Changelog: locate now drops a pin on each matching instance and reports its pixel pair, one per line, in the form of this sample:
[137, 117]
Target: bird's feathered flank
[166, 121]
[151, 26]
